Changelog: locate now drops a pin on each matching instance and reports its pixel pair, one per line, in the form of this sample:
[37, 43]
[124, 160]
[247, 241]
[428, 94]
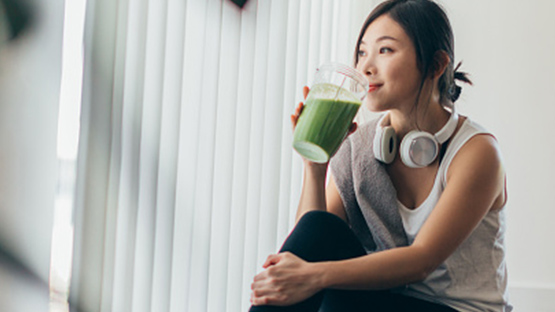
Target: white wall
[30, 72]
[508, 47]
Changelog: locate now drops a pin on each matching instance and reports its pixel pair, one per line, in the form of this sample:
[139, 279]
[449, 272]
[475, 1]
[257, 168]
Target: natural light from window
[68, 138]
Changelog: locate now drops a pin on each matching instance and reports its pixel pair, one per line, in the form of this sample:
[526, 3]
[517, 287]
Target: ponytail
[455, 90]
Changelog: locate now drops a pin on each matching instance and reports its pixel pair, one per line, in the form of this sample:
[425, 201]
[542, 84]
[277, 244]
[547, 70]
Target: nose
[367, 66]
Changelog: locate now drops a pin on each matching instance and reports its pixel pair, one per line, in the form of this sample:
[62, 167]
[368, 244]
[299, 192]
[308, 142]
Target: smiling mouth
[372, 88]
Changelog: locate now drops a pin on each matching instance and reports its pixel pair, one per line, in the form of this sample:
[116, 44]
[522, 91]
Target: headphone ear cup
[385, 144]
[419, 149]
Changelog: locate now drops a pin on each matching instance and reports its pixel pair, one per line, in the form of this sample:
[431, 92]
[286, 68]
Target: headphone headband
[447, 131]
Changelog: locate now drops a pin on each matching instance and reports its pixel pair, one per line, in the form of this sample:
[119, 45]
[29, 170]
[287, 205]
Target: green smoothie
[324, 122]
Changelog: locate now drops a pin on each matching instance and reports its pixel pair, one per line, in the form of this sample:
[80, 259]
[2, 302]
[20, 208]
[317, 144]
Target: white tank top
[474, 277]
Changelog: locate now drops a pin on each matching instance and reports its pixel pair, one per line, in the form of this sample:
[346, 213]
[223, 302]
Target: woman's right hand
[299, 109]
[295, 119]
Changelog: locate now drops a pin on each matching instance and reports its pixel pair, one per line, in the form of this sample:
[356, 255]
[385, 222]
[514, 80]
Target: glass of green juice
[330, 107]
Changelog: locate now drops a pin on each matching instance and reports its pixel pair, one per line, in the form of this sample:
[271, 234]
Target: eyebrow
[382, 38]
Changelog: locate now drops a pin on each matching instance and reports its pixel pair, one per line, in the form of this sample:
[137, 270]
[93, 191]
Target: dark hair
[427, 25]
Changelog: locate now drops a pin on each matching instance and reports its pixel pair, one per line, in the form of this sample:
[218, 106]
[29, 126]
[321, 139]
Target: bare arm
[334, 201]
[314, 194]
[475, 183]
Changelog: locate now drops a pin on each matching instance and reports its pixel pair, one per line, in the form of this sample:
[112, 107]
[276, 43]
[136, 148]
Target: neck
[429, 117]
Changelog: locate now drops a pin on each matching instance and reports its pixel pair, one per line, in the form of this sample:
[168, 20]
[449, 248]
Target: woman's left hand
[287, 280]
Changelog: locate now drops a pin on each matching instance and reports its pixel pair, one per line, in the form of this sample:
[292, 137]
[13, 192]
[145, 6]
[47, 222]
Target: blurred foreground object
[240, 3]
[15, 16]
[20, 290]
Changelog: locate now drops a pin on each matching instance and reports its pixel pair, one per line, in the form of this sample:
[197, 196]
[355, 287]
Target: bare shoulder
[478, 168]
[481, 151]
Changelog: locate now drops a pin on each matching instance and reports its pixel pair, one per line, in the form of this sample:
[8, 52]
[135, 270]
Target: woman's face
[387, 58]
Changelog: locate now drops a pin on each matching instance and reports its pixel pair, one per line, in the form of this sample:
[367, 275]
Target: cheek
[405, 78]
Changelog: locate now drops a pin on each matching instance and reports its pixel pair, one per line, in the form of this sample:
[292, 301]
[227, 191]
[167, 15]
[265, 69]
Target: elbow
[419, 274]
[422, 273]
[426, 266]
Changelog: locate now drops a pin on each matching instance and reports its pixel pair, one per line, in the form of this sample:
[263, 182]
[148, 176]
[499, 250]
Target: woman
[408, 226]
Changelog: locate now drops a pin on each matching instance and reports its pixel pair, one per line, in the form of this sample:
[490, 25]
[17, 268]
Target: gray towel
[367, 192]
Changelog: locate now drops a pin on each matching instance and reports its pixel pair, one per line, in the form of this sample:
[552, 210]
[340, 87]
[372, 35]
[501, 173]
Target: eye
[385, 50]
[361, 53]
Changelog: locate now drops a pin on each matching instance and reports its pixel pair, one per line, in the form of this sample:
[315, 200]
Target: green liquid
[322, 126]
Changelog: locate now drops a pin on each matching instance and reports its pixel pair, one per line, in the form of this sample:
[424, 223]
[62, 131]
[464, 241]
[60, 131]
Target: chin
[375, 107]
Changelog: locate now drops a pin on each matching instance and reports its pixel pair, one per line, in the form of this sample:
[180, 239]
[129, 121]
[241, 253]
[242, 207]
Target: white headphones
[418, 148]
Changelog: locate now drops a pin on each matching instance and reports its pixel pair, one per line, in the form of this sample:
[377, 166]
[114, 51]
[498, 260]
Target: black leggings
[322, 236]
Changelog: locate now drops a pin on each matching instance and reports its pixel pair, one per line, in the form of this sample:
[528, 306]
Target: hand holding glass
[331, 106]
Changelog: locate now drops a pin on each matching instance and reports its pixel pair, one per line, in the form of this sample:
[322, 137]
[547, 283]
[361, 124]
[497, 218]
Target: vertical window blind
[186, 175]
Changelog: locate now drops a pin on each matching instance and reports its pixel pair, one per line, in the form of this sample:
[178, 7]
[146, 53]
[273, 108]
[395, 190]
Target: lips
[373, 87]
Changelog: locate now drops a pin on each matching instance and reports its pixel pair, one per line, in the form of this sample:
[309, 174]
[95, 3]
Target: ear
[441, 61]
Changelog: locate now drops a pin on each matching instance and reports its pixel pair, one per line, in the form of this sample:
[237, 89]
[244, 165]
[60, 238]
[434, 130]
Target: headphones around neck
[418, 148]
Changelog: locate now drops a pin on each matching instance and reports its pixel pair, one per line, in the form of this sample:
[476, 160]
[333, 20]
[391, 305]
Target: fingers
[279, 283]
[299, 109]
[262, 294]
[262, 290]
[353, 128]
[265, 300]
[271, 260]
[297, 113]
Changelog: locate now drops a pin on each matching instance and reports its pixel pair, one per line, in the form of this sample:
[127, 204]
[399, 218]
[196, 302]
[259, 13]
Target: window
[186, 175]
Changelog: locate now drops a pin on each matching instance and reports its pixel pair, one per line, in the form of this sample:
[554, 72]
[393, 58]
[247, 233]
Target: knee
[322, 236]
[321, 218]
